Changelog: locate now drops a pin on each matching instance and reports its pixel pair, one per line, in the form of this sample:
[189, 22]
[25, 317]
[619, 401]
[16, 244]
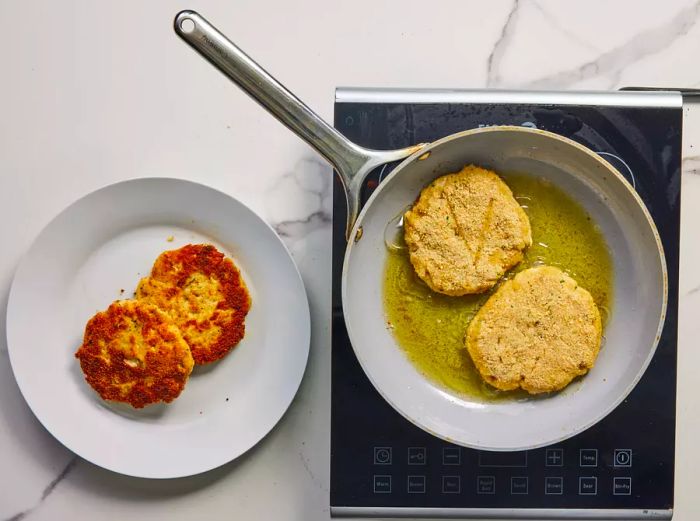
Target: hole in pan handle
[351, 161]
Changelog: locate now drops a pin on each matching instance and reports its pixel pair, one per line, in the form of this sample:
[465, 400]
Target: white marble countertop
[96, 92]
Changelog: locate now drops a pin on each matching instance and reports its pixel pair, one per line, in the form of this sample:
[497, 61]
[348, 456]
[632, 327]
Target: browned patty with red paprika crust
[133, 353]
[203, 293]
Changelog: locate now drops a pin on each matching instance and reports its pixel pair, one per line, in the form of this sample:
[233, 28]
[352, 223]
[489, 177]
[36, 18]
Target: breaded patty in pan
[133, 353]
[538, 331]
[204, 294]
[465, 231]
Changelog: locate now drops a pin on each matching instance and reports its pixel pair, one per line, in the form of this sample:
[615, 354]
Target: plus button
[554, 458]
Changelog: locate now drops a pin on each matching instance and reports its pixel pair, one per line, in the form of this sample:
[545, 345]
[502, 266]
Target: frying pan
[640, 287]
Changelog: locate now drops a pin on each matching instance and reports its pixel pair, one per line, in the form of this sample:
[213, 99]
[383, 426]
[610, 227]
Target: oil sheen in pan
[430, 327]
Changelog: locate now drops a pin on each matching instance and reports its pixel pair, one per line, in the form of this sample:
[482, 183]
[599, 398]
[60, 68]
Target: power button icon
[622, 458]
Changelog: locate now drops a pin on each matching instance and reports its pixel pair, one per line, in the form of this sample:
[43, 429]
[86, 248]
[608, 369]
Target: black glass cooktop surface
[383, 465]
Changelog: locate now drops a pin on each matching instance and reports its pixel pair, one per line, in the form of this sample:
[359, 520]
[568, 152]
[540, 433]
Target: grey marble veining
[48, 490]
[313, 179]
[501, 46]
[612, 62]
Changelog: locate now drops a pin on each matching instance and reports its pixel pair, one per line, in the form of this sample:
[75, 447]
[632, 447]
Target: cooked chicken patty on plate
[204, 294]
[133, 353]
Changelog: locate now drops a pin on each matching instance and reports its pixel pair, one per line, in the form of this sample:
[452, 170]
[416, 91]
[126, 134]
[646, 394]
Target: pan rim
[630, 191]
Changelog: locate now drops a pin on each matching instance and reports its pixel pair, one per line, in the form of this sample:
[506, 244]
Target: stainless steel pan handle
[351, 161]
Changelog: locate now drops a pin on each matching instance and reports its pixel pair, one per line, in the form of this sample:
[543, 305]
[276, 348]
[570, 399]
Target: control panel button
[588, 486]
[622, 486]
[451, 456]
[451, 485]
[382, 484]
[518, 485]
[622, 458]
[382, 455]
[416, 456]
[554, 485]
[486, 484]
[554, 458]
[416, 484]
[588, 457]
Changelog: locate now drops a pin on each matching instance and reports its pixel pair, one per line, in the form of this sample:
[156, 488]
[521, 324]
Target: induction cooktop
[622, 467]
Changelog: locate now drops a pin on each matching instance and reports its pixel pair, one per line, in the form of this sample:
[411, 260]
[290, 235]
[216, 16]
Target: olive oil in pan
[430, 327]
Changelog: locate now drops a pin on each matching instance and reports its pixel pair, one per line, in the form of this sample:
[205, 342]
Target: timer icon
[382, 455]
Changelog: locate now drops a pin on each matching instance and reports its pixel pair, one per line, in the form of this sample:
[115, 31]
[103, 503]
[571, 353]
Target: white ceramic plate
[102, 244]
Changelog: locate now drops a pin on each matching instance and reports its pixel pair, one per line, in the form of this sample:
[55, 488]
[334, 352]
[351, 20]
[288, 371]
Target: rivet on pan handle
[351, 161]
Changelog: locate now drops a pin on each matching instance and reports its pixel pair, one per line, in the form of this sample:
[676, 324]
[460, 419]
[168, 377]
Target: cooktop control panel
[447, 469]
[382, 465]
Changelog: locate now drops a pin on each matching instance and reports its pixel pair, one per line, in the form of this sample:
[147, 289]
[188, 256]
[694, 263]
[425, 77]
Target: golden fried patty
[465, 231]
[133, 353]
[204, 294]
[538, 331]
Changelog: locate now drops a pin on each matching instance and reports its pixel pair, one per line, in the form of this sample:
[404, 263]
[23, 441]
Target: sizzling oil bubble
[430, 327]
